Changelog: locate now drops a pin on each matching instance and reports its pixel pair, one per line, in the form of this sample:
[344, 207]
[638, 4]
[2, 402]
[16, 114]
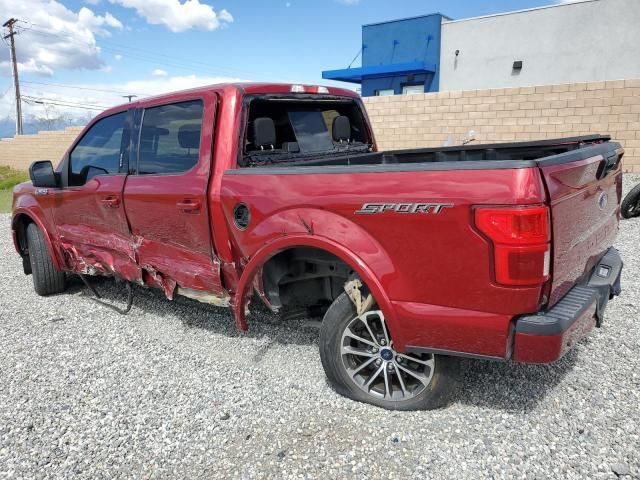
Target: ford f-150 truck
[274, 193]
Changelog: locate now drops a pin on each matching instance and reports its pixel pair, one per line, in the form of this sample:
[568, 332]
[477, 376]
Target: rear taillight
[520, 237]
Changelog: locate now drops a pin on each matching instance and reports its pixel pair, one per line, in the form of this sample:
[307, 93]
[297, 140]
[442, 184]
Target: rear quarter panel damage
[420, 259]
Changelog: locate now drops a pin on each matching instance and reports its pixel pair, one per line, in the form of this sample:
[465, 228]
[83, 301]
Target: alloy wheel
[372, 363]
[634, 209]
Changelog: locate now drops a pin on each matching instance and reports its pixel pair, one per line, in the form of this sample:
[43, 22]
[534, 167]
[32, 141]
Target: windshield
[279, 129]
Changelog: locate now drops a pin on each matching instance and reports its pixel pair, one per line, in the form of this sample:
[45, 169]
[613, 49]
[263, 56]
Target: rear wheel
[46, 279]
[361, 363]
[631, 204]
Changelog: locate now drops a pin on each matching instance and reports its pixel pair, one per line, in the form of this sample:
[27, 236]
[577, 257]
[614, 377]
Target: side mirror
[42, 174]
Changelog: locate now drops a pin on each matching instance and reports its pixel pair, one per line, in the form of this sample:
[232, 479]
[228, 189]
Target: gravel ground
[172, 390]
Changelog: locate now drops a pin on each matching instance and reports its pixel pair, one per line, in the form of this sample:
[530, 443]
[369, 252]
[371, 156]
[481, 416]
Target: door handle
[189, 206]
[111, 201]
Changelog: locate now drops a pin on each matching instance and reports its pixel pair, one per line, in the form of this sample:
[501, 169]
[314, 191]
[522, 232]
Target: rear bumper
[546, 336]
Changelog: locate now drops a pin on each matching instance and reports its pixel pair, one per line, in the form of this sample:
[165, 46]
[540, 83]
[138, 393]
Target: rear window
[170, 138]
[283, 129]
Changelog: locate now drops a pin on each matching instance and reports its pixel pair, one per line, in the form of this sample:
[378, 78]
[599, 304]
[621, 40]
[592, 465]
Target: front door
[89, 211]
[166, 196]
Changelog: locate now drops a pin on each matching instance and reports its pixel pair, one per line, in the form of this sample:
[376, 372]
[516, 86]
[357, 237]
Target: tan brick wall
[512, 114]
[21, 151]
[427, 120]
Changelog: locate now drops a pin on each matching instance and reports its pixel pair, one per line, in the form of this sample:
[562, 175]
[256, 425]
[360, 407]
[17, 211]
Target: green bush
[6, 198]
[9, 177]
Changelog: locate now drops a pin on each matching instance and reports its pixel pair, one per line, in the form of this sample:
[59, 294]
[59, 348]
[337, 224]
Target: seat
[264, 133]
[189, 137]
[341, 129]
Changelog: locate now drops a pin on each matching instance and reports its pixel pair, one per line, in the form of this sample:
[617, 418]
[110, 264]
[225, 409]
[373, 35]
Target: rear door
[585, 190]
[88, 210]
[166, 196]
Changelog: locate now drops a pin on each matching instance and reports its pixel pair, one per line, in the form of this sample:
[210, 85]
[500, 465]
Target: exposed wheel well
[21, 223]
[304, 277]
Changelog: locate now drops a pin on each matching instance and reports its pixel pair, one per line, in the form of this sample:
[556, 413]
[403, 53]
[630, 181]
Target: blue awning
[356, 75]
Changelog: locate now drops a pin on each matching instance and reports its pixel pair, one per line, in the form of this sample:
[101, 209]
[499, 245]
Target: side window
[170, 138]
[98, 151]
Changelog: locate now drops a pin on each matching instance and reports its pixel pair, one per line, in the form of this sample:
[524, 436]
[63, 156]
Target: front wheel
[631, 204]
[46, 279]
[360, 361]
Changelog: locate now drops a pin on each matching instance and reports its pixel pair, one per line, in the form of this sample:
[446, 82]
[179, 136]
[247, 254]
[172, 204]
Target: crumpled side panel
[153, 278]
[143, 262]
[105, 254]
[186, 268]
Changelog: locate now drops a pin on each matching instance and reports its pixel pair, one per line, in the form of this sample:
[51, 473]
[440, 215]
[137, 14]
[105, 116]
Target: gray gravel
[173, 391]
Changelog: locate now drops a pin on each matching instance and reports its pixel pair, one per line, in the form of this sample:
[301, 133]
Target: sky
[89, 53]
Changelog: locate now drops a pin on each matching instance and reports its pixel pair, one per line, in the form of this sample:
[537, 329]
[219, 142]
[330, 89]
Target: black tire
[631, 204]
[46, 279]
[438, 392]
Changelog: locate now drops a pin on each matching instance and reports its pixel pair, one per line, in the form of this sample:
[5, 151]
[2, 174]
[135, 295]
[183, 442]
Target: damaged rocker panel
[118, 257]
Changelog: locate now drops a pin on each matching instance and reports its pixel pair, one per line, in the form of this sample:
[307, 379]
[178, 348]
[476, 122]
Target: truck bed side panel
[437, 259]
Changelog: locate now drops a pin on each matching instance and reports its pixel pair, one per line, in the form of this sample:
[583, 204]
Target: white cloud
[178, 16]
[571, 1]
[55, 37]
[158, 72]
[225, 16]
[96, 23]
[117, 56]
[349, 2]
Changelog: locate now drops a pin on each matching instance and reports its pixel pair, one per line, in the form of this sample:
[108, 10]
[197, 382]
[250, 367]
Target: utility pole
[129, 97]
[9, 24]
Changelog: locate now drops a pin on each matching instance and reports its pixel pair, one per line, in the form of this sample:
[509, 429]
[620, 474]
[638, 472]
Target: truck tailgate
[585, 189]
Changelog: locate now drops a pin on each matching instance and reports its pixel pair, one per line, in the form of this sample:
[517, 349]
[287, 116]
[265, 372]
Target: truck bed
[577, 179]
[485, 156]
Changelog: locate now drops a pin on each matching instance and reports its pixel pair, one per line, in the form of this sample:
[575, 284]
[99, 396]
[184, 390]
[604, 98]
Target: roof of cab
[251, 88]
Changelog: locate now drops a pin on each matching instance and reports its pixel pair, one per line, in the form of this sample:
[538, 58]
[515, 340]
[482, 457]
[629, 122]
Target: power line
[137, 56]
[144, 55]
[191, 61]
[72, 106]
[61, 85]
[10, 103]
[55, 97]
[62, 103]
[150, 56]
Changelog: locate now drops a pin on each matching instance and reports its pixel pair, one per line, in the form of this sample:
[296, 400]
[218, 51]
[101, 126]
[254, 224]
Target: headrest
[341, 128]
[264, 132]
[189, 136]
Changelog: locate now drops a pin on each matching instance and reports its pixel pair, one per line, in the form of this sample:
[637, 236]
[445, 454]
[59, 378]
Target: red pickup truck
[276, 193]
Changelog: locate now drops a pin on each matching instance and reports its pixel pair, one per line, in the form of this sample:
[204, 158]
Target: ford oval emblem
[603, 200]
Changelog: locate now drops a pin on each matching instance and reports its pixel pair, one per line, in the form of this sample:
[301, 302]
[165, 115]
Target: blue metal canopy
[356, 75]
